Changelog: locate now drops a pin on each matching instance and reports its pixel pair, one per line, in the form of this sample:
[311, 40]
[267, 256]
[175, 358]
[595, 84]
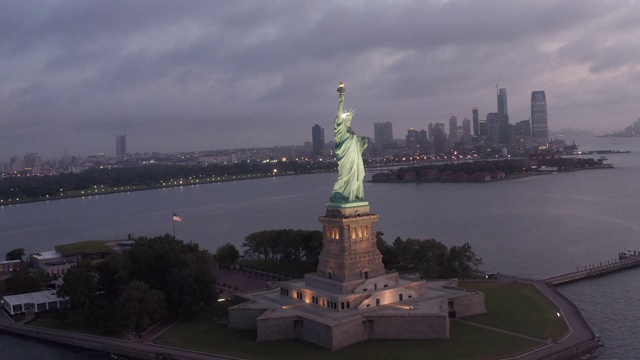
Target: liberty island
[351, 297]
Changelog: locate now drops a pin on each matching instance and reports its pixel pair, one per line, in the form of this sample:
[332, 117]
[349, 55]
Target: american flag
[177, 218]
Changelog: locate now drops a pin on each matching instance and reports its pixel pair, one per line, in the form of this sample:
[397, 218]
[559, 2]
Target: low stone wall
[409, 326]
[244, 319]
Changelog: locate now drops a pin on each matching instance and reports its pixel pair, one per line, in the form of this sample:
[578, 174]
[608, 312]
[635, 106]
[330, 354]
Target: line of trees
[433, 259]
[284, 245]
[430, 257]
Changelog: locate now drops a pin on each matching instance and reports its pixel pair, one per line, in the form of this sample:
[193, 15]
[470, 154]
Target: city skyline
[218, 75]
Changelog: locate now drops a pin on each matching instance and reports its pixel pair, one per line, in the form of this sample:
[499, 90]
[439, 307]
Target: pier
[624, 261]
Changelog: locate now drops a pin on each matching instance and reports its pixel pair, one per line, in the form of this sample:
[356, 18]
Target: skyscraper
[466, 130]
[383, 133]
[493, 128]
[539, 129]
[453, 130]
[439, 139]
[503, 117]
[317, 138]
[476, 122]
[121, 146]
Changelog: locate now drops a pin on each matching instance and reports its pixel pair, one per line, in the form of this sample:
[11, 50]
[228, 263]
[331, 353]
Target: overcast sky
[187, 75]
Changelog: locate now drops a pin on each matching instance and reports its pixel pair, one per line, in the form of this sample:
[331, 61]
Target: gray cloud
[181, 76]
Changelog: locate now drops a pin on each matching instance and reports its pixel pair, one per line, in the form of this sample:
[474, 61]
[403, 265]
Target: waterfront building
[34, 302]
[539, 129]
[121, 146]
[383, 133]
[476, 121]
[317, 139]
[453, 130]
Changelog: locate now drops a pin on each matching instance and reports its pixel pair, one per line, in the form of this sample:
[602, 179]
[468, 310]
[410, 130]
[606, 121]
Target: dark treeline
[431, 258]
[284, 245]
[31, 187]
[508, 166]
[133, 290]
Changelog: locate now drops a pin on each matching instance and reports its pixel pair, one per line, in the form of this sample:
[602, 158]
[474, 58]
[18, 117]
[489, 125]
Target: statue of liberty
[349, 147]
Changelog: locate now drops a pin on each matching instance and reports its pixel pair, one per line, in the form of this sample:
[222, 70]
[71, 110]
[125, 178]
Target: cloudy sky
[198, 75]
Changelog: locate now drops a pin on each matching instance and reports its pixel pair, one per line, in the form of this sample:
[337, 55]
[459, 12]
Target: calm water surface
[537, 226]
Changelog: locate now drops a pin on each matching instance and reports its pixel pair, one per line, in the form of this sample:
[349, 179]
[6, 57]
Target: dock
[624, 261]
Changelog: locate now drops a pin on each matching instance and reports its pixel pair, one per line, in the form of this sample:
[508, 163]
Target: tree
[15, 254]
[140, 306]
[462, 261]
[24, 280]
[181, 271]
[226, 255]
[79, 285]
[113, 275]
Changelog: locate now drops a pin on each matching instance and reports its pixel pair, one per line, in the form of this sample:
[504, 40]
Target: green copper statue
[349, 147]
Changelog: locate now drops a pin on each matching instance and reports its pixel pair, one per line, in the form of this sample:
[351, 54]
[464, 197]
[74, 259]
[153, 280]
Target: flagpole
[174, 226]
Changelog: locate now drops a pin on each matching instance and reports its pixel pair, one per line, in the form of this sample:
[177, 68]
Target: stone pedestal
[349, 250]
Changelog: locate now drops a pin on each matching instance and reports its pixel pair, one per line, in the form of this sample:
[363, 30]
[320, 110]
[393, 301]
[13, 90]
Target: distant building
[439, 139]
[412, 139]
[453, 130]
[503, 117]
[16, 164]
[523, 128]
[539, 129]
[121, 146]
[493, 128]
[383, 133]
[466, 130]
[32, 161]
[483, 128]
[317, 139]
[430, 131]
[476, 121]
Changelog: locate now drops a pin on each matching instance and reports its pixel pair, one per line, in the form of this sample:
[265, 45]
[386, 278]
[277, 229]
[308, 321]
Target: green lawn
[467, 342]
[81, 247]
[518, 307]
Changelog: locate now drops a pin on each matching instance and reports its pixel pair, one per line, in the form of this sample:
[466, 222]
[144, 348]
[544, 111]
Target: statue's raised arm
[348, 149]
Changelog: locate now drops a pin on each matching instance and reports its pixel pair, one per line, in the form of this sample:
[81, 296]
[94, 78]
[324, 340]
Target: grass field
[467, 342]
[518, 307]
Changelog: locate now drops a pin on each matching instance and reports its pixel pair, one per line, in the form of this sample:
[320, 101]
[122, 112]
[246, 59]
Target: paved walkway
[139, 349]
[580, 334]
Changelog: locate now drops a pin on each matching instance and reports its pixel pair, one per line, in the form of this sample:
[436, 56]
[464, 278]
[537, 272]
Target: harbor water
[534, 227]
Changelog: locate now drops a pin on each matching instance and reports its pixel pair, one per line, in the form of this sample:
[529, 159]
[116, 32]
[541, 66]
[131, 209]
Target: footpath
[140, 348]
